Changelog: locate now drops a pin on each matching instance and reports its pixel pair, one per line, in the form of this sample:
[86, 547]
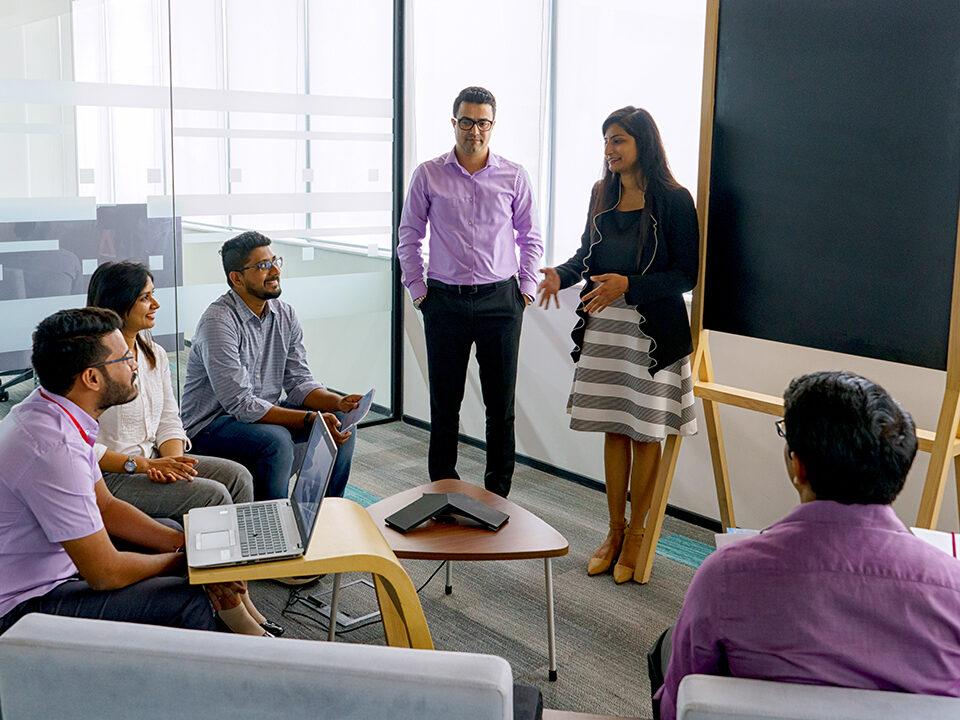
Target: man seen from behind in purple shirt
[838, 592]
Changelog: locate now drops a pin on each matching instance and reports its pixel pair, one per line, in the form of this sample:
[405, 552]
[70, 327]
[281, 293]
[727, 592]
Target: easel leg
[956, 472]
[661, 492]
[940, 457]
[718, 455]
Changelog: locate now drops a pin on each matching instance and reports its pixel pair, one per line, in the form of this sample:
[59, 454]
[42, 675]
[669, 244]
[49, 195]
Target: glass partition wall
[154, 130]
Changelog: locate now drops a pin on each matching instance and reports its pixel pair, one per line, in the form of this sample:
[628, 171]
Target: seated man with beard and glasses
[248, 351]
[56, 513]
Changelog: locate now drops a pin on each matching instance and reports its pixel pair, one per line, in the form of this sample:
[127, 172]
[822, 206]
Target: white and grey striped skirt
[613, 390]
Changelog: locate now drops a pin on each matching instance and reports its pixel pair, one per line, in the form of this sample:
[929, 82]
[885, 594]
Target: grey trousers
[217, 482]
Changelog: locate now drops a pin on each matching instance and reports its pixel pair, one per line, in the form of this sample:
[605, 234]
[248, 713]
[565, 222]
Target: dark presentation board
[835, 176]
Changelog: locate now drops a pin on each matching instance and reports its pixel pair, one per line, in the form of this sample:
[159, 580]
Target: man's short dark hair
[856, 442]
[68, 342]
[236, 250]
[477, 95]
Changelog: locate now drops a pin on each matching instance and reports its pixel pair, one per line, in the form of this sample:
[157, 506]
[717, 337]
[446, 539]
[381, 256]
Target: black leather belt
[469, 289]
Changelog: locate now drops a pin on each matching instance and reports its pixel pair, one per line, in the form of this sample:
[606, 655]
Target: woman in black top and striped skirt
[638, 255]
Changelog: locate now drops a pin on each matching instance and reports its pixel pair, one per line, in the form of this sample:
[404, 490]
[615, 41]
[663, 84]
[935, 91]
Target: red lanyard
[79, 429]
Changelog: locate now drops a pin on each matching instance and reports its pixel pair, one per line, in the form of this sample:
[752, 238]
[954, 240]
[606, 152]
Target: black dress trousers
[455, 318]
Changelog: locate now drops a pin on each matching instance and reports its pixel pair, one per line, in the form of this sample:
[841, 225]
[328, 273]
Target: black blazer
[667, 265]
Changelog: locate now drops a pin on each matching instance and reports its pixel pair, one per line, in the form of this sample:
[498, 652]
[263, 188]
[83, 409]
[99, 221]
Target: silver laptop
[226, 535]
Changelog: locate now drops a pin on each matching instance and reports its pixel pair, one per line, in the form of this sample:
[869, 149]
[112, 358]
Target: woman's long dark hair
[651, 158]
[116, 286]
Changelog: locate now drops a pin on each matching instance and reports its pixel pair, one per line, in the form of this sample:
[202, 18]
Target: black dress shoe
[272, 628]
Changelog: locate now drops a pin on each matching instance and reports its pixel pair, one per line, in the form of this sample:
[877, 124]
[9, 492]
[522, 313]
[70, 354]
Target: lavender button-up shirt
[477, 223]
[47, 478]
[831, 594]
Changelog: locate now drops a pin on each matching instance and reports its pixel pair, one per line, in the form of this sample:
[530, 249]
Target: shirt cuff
[418, 288]
[163, 437]
[300, 392]
[528, 288]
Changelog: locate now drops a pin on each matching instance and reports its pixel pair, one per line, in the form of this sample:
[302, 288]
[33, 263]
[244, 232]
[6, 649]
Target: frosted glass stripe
[47, 208]
[21, 317]
[220, 237]
[17, 15]
[266, 203]
[37, 128]
[313, 298]
[280, 134]
[29, 245]
[63, 92]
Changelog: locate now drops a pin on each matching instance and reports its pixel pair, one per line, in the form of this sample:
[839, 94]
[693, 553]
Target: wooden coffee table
[523, 536]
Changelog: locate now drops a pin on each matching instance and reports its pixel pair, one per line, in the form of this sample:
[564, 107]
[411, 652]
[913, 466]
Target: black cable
[432, 576]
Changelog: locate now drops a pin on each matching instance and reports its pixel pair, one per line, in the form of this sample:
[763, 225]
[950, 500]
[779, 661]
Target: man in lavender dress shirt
[481, 212]
[839, 592]
[55, 510]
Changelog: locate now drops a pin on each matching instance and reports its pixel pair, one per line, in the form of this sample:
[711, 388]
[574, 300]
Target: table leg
[551, 637]
[449, 587]
[334, 602]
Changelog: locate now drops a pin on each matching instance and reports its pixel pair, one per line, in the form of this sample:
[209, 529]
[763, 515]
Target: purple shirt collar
[451, 159]
[89, 425]
[880, 517]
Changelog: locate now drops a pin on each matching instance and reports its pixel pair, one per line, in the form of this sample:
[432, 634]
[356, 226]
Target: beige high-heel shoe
[627, 562]
[604, 556]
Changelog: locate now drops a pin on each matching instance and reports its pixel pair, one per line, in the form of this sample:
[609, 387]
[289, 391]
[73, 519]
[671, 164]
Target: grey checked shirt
[239, 363]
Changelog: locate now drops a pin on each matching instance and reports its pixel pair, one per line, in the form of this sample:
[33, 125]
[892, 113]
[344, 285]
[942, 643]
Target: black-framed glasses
[277, 262]
[780, 430]
[128, 358]
[466, 123]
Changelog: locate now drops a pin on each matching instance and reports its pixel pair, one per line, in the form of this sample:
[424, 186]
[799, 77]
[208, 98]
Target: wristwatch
[130, 465]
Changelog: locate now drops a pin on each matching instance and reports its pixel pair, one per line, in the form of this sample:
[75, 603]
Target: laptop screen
[313, 478]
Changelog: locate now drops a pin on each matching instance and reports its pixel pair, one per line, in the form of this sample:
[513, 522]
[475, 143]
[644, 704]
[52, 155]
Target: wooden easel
[943, 445]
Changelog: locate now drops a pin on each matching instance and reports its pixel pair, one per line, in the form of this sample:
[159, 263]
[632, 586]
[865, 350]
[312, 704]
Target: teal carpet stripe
[673, 547]
[360, 496]
[683, 550]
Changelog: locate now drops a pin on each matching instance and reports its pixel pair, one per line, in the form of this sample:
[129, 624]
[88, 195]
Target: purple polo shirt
[47, 474]
[831, 594]
[477, 223]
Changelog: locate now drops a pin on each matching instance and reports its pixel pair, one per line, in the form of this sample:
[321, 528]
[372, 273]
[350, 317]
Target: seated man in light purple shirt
[56, 512]
[838, 592]
[481, 214]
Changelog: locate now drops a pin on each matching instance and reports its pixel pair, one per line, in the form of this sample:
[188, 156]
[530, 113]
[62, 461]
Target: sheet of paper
[358, 413]
[945, 541]
[734, 534]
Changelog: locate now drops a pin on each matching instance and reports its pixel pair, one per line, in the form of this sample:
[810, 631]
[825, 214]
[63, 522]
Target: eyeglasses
[129, 359]
[277, 262]
[780, 431]
[466, 123]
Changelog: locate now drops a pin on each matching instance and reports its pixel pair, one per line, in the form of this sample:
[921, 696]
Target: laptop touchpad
[213, 540]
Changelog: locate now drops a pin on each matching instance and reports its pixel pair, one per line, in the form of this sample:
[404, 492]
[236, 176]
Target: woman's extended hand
[171, 469]
[609, 287]
[549, 287]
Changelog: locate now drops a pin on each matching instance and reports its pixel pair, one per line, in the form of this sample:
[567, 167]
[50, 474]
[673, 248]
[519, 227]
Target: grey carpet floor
[603, 630]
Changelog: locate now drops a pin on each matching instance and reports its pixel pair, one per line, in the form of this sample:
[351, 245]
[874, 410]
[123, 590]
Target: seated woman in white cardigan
[141, 445]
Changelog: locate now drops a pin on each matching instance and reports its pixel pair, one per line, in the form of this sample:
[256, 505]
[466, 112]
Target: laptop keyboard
[261, 532]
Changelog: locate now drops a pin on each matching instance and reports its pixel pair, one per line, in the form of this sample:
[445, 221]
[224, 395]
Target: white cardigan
[142, 425]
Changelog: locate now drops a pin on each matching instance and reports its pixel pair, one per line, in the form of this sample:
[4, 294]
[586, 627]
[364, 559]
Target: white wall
[761, 492]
